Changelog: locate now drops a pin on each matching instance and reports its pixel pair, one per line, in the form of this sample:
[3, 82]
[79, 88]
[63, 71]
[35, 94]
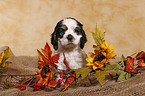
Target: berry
[61, 75]
[59, 81]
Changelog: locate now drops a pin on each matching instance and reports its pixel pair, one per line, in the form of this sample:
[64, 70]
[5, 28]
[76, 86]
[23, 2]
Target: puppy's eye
[77, 30]
[61, 32]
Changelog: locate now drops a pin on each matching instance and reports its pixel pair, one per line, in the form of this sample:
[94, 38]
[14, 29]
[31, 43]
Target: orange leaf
[38, 87]
[41, 56]
[47, 49]
[55, 59]
[23, 88]
[130, 64]
[66, 64]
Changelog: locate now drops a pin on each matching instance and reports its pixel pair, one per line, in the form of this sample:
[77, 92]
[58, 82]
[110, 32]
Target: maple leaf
[100, 75]
[141, 59]
[69, 81]
[3, 57]
[130, 64]
[46, 58]
[140, 55]
[52, 83]
[47, 68]
[38, 87]
[98, 36]
[83, 72]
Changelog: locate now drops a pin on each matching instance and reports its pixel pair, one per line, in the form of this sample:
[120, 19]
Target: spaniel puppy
[69, 38]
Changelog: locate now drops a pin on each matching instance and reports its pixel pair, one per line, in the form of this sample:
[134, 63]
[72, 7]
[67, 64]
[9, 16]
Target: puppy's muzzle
[70, 37]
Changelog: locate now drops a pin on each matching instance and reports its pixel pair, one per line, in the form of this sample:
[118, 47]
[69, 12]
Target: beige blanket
[134, 86]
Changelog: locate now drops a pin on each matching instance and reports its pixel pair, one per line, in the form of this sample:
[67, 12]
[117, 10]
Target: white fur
[75, 56]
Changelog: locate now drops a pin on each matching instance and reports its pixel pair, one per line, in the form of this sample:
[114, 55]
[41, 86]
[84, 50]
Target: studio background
[26, 25]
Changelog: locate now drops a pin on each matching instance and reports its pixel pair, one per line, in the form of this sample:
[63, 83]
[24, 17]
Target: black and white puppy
[69, 38]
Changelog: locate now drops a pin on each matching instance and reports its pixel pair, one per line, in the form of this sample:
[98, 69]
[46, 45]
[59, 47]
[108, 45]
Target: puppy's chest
[74, 60]
[73, 56]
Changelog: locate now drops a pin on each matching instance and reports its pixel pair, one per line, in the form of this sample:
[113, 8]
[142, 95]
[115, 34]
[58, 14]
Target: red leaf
[130, 64]
[140, 55]
[47, 49]
[38, 87]
[66, 64]
[23, 88]
[69, 81]
[52, 83]
[55, 58]
[141, 63]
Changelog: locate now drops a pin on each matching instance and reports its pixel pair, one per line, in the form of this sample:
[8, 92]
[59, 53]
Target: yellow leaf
[98, 36]
[7, 53]
[89, 59]
[6, 64]
[100, 75]
[1, 57]
[82, 71]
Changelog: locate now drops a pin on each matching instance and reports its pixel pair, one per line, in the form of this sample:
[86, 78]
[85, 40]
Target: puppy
[69, 38]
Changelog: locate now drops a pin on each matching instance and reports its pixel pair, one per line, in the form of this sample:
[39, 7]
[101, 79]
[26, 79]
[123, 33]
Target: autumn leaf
[3, 57]
[38, 87]
[83, 72]
[25, 84]
[140, 55]
[69, 81]
[120, 69]
[98, 36]
[100, 75]
[141, 59]
[108, 67]
[52, 83]
[130, 64]
[45, 57]
[47, 68]
[124, 76]
[66, 64]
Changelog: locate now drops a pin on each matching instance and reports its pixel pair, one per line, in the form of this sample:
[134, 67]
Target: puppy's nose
[70, 37]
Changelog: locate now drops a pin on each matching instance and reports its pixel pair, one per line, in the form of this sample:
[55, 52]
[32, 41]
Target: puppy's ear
[83, 39]
[54, 40]
[54, 36]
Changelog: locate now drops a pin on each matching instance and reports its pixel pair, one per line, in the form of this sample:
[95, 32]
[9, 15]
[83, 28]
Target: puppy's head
[68, 33]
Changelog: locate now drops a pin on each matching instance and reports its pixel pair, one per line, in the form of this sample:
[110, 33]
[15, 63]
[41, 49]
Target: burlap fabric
[134, 86]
